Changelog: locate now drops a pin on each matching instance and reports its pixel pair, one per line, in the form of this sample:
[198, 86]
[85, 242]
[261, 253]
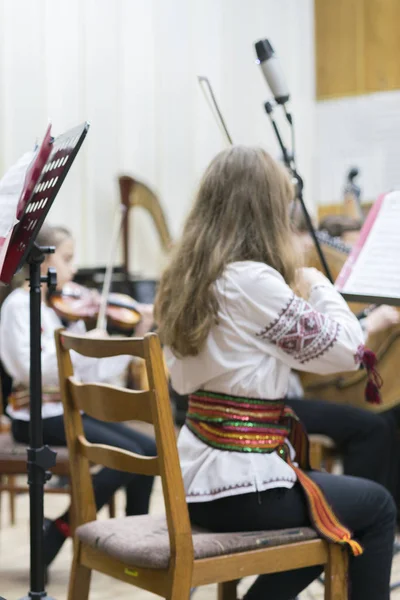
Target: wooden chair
[323, 452]
[13, 459]
[13, 463]
[163, 555]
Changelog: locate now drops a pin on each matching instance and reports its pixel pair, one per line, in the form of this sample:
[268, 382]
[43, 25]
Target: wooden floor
[14, 560]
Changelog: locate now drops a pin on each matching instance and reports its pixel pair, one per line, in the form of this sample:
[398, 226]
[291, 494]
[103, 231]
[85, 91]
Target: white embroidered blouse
[15, 352]
[264, 331]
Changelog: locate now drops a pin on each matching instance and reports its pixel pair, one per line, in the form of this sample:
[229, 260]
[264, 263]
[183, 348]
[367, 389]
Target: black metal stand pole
[40, 458]
[289, 162]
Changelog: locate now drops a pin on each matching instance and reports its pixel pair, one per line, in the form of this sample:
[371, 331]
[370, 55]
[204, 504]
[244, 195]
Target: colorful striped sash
[239, 424]
[20, 397]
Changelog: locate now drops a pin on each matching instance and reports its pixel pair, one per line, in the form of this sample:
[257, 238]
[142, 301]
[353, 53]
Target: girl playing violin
[14, 354]
[232, 335]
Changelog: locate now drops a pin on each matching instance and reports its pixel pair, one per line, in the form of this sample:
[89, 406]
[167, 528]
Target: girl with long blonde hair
[14, 356]
[233, 329]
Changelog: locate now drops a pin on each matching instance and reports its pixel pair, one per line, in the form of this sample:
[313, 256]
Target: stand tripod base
[36, 597]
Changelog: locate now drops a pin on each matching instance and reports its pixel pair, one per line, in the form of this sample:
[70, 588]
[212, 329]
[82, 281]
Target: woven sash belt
[20, 397]
[251, 425]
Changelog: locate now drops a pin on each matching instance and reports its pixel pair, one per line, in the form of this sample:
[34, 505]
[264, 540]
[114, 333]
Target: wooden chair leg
[181, 584]
[329, 462]
[180, 592]
[111, 507]
[1, 492]
[72, 517]
[227, 590]
[316, 455]
[79, 579]
[336, 574]
[12, 496]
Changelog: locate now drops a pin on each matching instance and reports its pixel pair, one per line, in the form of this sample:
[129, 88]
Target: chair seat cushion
[11, 450]
[143, 541]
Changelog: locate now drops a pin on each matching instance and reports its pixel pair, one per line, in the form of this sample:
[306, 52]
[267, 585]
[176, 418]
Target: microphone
[272, 72]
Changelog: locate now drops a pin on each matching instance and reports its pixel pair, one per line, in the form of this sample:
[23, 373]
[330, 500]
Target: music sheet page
[373, 267]
[11, 186]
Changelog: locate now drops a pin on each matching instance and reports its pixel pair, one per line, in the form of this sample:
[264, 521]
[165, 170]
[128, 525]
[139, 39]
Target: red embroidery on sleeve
[301, 332]
[358, 357]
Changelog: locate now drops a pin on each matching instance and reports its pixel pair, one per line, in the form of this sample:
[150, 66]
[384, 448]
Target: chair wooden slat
[101, 348]
[265, 561]
[116, 458]
[111, 404]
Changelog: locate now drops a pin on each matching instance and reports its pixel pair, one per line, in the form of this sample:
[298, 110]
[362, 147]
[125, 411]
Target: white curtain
[130, 68]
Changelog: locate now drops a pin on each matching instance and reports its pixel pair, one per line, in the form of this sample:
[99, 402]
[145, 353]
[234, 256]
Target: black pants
[368, 442]
[363, 506]
[107, 481]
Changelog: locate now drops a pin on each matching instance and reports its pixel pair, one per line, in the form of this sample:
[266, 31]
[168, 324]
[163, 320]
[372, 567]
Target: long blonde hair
[240, 213]
[52, 235]
[49, 235]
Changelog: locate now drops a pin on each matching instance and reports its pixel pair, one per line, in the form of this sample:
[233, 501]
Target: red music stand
[44, 180]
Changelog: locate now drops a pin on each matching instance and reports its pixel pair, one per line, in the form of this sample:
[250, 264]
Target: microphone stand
[291, 165]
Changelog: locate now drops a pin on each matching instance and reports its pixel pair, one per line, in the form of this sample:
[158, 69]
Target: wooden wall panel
[325, 210]
[382, 45]
[357, 45]
[338, 39]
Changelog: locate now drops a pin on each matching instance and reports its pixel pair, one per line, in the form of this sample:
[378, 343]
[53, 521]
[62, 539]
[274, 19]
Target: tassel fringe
[323, 517]
[374, 384]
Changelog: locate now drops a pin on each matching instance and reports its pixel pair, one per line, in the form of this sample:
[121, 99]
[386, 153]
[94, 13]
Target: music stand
[23, 249]
[371, 299]
[371, 274]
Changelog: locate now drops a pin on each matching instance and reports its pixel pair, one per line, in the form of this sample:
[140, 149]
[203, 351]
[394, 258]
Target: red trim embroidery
[301, 331]
[358, 357]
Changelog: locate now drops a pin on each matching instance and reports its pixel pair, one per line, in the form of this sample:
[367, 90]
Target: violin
[75, 302]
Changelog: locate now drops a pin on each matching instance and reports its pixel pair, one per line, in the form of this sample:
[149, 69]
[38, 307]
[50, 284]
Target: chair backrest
[113, 404]
[135, 193]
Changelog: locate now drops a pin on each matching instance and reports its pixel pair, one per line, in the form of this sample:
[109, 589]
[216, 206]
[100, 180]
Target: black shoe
[53, 540]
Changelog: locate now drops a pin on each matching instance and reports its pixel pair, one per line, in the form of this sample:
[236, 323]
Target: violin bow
[116, 230]
[211, 100]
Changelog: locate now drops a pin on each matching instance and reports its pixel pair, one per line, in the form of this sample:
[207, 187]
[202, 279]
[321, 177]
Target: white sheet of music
[11, 186]
[373, 267]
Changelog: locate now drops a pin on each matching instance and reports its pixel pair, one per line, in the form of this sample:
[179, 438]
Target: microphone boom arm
[290, 164]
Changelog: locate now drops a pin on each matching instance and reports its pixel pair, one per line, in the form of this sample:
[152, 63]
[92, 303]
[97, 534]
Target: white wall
[130, 67]
[361, 131]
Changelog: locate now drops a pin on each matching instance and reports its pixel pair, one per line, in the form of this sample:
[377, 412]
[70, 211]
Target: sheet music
[17, 185]
[11, 186]
[373, 267]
